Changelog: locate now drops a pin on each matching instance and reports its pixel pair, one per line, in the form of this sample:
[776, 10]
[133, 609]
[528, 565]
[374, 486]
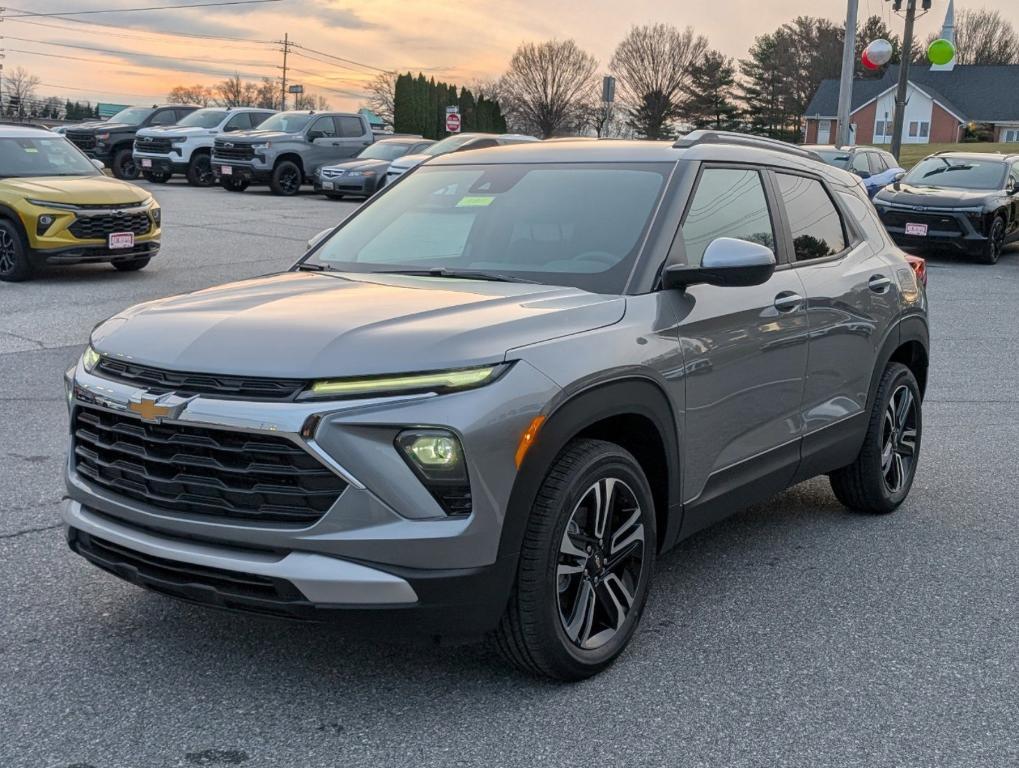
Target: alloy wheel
[290, 181]
[600, 563]
[8, 252]
[997, 240]
[898, 439]
[203, 167]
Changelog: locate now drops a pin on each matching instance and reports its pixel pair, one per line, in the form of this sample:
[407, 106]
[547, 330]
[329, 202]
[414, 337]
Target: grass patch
[914, 153]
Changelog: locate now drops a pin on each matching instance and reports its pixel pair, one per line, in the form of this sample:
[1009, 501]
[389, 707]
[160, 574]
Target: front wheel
[879, 480]
[995, 243]
[286, 178]
[14, 262]
[233, 184]
[124, 166]
[199, 173]
[585, 565]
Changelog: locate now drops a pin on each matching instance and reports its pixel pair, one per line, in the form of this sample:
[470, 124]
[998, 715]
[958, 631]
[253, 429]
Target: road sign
[608, 89]
[295, 89]
[453, 122]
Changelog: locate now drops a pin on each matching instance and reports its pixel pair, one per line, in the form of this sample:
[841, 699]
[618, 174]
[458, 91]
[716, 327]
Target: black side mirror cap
[727, 261]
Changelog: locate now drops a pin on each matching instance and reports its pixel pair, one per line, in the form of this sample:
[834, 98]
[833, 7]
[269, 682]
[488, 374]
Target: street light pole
[900, 94]
[848, 65]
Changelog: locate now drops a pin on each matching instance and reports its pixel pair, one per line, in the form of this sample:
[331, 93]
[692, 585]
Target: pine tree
[710, 94]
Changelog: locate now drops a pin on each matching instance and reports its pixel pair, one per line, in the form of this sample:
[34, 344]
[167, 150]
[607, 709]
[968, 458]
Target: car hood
[409, 161]
[176, 130]
[103, 126]
[932, 197]
[247, 137]
[318, 325]
[359, 165]
[77, 190]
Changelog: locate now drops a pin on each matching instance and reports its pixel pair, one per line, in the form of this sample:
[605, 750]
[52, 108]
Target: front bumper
[346, 185]
[245, 171]
[160, 163]
[384, 542]
[946, 230]
[58, 243]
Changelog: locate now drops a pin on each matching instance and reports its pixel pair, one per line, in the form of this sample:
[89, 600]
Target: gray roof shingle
[974, 92]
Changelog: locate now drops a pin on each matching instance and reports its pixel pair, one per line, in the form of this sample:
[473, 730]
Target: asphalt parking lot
[794, 634]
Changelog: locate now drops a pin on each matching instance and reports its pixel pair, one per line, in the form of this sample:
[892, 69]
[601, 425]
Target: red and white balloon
[877, 54]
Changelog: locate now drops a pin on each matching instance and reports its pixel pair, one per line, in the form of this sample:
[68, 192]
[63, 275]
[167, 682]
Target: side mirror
[863, 174]
[319, 238]
[1010, 186]
[726, 262]
[99, 164]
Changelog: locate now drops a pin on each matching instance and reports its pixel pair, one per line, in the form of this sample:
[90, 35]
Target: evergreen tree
[710, 94]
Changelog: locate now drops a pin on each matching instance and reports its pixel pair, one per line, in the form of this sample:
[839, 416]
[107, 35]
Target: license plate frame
[916, 230]
[226, 170]
[146, 162]
[120, 240]
[327, 185]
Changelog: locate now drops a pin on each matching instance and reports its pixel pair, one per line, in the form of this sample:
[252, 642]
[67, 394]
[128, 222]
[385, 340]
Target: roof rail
[695, 138]
[25, 124]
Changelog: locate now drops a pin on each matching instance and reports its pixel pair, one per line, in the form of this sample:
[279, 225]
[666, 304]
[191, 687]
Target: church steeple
[947, 33]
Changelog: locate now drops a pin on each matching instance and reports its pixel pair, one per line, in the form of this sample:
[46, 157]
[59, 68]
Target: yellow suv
[57, 207]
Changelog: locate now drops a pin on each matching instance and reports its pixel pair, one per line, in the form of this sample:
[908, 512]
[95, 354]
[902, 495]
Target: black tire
[131, 266]
[124, 167]
[199, 173]
[157, 177]
[231, 184]
[535, 633]
[995, 243]
[287, 178]
[15, 265]
[879, 480]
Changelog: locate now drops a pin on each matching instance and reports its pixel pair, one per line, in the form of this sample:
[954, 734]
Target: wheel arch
[292, 157]
[634, 413]
[10, 214]
[909, 344]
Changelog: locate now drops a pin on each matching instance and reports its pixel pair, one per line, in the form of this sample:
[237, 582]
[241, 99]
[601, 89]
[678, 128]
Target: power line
[149, 8]
[94, 59]
[340, 58]
[134, 35]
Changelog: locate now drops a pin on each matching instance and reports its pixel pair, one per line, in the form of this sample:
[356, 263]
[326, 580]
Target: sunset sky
[118, 57]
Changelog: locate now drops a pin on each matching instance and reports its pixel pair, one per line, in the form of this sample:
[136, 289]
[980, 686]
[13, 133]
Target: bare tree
[230, 92]
[548, 87]
[19, 90]
[382, 96]
[309, 100]
[267, 94]
[981, 37]
[652, 65]
[190, 94]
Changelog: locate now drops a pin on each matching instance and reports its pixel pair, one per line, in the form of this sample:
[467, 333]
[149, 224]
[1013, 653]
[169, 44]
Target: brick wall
[864, 119]
[945, 129]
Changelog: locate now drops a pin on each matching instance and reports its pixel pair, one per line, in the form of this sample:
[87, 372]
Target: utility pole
[286, 48]
[907, 54]
[848, 65]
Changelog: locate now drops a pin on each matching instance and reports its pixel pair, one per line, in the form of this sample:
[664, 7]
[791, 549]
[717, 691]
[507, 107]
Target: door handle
[787, 301]
[879, 283]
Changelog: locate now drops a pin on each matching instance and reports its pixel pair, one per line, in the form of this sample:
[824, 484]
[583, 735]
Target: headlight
[258, 147]
[437, 458]
[49, 204]
[360, 173]
[90, 359]
[157, 214]
[102, 136]
[439, 383]
[178, 139]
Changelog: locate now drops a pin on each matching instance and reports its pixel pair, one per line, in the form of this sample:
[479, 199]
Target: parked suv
[186, 147]
[288, 148]
[961, 202]
[494, 395]
[876, 167]
[112, 140]
[458, 142]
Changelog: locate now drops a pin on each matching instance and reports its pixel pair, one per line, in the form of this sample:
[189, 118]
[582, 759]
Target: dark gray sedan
[366, 174]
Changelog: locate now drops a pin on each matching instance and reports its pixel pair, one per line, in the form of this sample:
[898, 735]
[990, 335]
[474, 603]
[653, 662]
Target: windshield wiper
[314, 266]
[454, 274]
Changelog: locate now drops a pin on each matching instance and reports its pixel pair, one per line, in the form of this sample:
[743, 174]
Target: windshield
[132, 115]
[834, 157]
[384, 151]
[49, 156]
[204, 118]
[957, 172]
[579, 225]
[287, 122]
[448, 144]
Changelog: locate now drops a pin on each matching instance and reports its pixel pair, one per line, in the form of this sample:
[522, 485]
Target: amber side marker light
[527, 439]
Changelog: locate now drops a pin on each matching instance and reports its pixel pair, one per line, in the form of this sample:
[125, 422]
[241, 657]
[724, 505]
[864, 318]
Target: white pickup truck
[186, 147]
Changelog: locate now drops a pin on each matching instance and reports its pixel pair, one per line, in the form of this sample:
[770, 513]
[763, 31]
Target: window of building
[914, 129]
[1011, 135]
[925, 130]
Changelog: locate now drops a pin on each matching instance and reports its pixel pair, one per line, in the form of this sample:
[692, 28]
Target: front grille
[234, 477]
[195, 583]
[82, 140]
[159, 381]
[152, 144]
[332, 173]
[940, 222]
[91, 227]
[235, 152]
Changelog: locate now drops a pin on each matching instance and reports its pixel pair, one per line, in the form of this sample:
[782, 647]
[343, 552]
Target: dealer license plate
[916, 229]
[121, 240]
[327, 185]
[146, 163]
[226, 170]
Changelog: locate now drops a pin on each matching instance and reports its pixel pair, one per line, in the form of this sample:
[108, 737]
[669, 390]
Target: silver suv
[287, 149]
[495, 394]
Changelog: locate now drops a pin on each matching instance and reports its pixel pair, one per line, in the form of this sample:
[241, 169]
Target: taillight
[919, 268]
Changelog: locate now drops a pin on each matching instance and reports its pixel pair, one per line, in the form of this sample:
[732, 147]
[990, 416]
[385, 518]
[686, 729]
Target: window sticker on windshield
[475, 201]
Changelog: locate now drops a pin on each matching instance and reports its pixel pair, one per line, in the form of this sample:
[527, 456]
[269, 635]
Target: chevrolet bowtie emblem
[148, 407]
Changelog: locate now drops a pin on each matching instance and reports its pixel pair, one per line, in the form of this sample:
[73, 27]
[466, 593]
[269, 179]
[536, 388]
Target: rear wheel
[286, 178]
[232, 184]
[131, 266]
[199, 173]
[156, 177]
[15, 265]
[995, 243]
[585, 565]
[879, 480]
[124, 166]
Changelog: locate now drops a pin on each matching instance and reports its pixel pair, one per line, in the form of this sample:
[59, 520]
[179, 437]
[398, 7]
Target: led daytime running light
[444, 380]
